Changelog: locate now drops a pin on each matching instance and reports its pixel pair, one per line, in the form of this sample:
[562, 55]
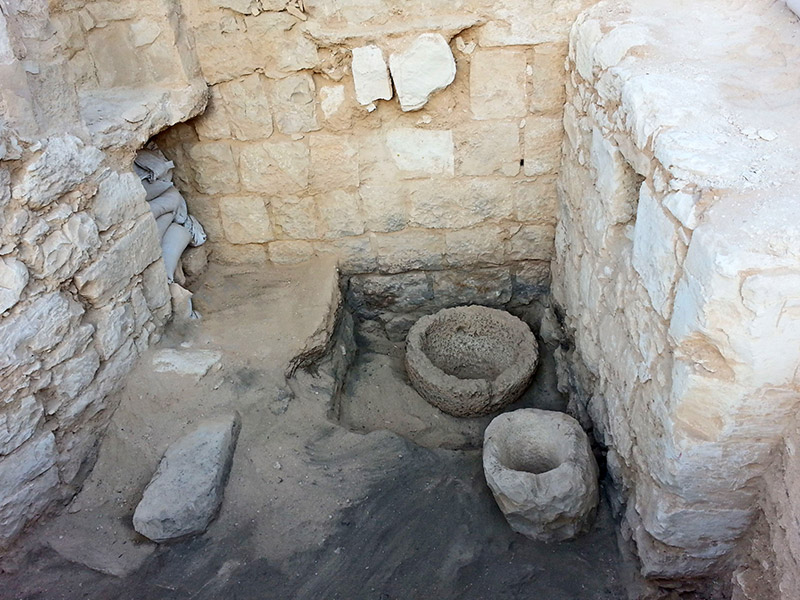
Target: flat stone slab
[186, 492]
[194, 363]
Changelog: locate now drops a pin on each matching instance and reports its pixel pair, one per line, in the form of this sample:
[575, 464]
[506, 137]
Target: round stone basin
[470, 361]
[542, 473]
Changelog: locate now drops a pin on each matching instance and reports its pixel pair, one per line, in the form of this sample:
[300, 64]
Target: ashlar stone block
[535, 201]
[274, 167]
[490, 148]
[532, 242]
[334, 161]
[410, 250]
[213, 168]
[293, 103]
[214, 123]
[384, 205]
[289, 252]
[488, 287]
[340, 214]
[439, 205]
[476, 246]
[542, 145]
[245, 220]
[548, 91]
[421, 152]
[295, 217]
[497, 84]
[246, 102]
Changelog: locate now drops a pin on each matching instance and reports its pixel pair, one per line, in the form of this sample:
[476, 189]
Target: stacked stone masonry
[397, 136]
[427, 147]
[83, 289]
[676, 276]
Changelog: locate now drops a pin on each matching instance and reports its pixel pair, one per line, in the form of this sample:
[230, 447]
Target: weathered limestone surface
[186, 491]
[425, 67]
[541, 470]
[377, 131]
[470, 361]
[82, 288]
[370, 75]
[676, 271]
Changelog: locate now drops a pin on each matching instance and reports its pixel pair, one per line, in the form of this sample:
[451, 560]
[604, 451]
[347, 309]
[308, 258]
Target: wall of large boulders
[676, 276]
[399, 136]
[83, 289]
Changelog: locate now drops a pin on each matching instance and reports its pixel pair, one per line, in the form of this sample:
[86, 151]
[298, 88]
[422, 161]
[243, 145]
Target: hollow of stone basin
[470, 361]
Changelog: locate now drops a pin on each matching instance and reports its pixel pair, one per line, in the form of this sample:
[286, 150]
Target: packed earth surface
[311, 510]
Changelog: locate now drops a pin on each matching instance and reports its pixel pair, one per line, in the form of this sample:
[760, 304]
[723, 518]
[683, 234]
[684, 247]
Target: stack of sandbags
[176, 227]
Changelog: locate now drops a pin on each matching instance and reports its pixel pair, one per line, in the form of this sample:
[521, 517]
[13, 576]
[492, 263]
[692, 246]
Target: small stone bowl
[541, 470]
[470, 361]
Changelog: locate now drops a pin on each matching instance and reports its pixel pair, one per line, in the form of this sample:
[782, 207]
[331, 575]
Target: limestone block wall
[677, 269]
[295, 158]
[83, 289]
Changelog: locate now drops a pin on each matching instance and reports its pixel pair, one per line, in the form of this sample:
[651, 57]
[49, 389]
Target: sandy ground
[313, 509]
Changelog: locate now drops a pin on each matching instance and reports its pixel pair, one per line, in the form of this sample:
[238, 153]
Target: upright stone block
[293, 102]
[245, 220]
[370, 75]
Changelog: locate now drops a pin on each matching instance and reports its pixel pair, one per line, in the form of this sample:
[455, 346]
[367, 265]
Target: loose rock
[427, 66]
[186, 492]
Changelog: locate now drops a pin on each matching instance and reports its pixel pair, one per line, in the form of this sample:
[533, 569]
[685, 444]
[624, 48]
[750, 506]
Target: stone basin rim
[479, 395]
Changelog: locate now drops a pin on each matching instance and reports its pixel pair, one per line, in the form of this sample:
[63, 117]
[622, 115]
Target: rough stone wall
[677, 269]
[83, 289]
[769, 565]
[287, 163]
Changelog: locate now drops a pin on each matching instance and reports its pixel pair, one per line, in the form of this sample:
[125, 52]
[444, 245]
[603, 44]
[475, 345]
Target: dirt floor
[315, 508]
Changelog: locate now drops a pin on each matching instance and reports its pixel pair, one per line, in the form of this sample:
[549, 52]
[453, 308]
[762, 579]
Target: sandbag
[173, 244]
[152, 164]
[156, 188]
[168, 202]
[199, 236]
[182, 212]
[182, 309]
[163, 222]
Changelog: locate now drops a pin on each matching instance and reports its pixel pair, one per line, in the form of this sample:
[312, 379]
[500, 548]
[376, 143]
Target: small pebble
[767, 134]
